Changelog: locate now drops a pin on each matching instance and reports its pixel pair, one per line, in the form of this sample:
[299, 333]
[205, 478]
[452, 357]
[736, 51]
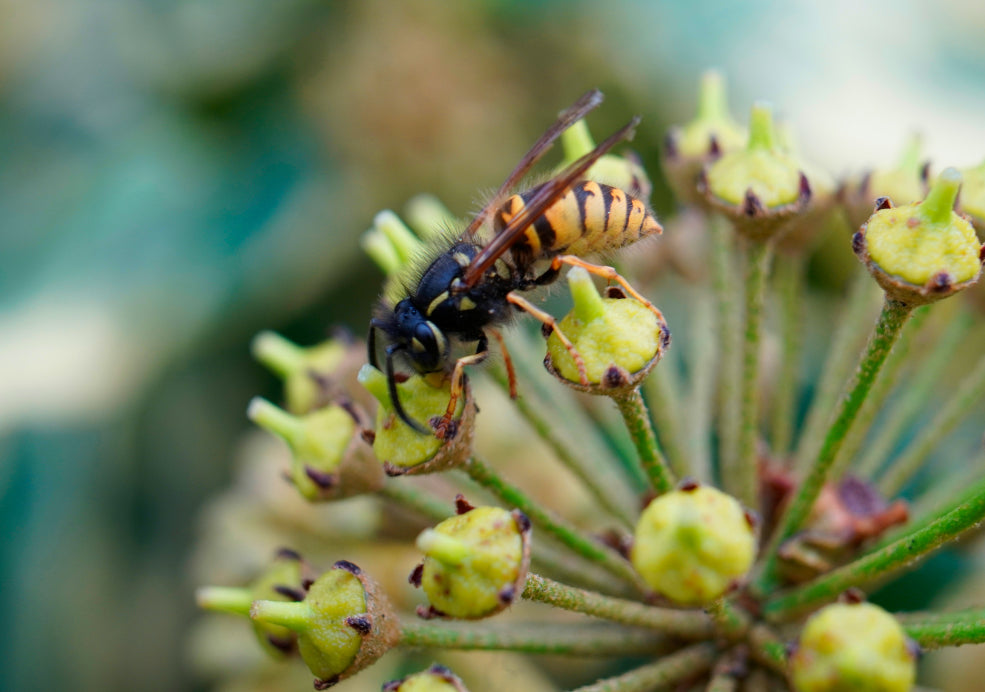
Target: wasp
[470, 284]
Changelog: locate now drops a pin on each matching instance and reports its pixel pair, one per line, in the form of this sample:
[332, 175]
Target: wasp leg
[507, 361]
[445, 427]
[609, 274]
[548, 321]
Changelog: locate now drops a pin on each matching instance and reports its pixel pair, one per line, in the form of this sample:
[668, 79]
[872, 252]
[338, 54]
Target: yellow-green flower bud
[619, 340]
[710, 134]
[283, 580]
[904, 184]
[692, 544]
[476, 563]
[330, 460]
[402, 449]
[621, 171]
[344, 623]
[760, 188]
[428, 216]
[434, 679]
[921, 252]
[313, 376]
[972, 200]
[856, 647]
[805, 228]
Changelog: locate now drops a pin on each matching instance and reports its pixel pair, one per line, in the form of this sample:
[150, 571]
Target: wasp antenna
[391, 384]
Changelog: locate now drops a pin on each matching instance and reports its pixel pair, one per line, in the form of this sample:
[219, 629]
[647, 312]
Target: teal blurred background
[175, 176]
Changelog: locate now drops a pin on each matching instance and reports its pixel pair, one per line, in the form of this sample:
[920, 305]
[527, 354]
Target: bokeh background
[177, 175]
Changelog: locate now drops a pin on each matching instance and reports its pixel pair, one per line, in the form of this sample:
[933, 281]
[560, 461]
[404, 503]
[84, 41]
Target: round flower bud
[401, 448]
[330, 459]
[921, 252]
[906, 183]
[283, 580]
[760, 188]
[476, 563]
[434, 679]
[343, 624]
[690, 545]
[853, 647]
[619, 340]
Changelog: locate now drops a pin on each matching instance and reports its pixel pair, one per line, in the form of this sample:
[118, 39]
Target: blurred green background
[177, 175]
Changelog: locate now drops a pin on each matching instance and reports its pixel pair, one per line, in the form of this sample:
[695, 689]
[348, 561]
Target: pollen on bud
[619, 340]
[329, 460]
[856, 646]
[922, 252]
[475, 563]
[692, 545]
[437, 678]
[344, 623]
[425, 398]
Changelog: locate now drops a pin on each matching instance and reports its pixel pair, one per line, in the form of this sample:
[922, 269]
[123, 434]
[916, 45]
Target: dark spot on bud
[392, 686]
[443, 430]
[670, 146]
[392, 470]
[429, 613]
[283, 644]
[614, 377]
[688, 485]
[852, 596]
[289, 592]
[348, 567]
[925, 172]
[507, 595]
[522, 520]
[752, 206]
[462, 505]
[440, 670]
[981, 254]
[664, 338]
[940, 282]
[883, 203]
[791, 648]
[323, 480]
[913, 648]
[805, 189]
[369, 436]
[546, 329]
[858, 243]
[415, 577]
[714, 148]
[614, 292]
[306, 583]
[288, 554]
[361, 623]
[752, 519]
[325, 684]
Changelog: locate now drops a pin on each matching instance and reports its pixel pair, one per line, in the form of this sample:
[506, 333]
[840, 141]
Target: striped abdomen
[589, 218]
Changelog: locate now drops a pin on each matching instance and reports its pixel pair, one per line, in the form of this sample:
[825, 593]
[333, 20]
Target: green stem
[420, 501]
[913, 399]
[767, 648]
[723, 249]
[722, 682]
[689, 624]
[225, 599]
[790, 277]
[665, 673]
[545, 520]
[852, 323]
[665, 404]
[634, 412]
[730, 622]
[958, 406]
[532, 638]
[902, 553]
[702, 396]
[937, 630]
[743, 479]
[887, 330]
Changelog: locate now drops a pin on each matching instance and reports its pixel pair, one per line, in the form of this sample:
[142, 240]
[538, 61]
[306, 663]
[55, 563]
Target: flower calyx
[437, 678]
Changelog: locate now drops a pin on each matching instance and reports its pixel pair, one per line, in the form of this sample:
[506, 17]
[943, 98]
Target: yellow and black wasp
[470, 286]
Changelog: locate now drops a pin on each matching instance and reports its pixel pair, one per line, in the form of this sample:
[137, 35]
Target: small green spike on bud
[475, 563]
[343, 624]
[401, 448]
[329, 458]
[619, 340]
[428, 216]
[390, 243]
[437, 678]
[922, 252]
[692, 544]
[857, 647]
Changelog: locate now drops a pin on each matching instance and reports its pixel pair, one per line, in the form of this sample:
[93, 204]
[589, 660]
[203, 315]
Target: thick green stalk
[726, 288]
[958, 405]
[665, 673]
[690, 624]
[876, 566]
[701, 400]
[790, 276]
[533, 638]
[546, 520]
[887, 330]
[743, 479]
[722, 682]
[634, 412]
[665, 403]
[937, 630]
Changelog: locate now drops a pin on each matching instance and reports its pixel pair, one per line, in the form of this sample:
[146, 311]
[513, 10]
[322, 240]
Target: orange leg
[445, 427]
[609, 274]
[549, 321]
[507, 361]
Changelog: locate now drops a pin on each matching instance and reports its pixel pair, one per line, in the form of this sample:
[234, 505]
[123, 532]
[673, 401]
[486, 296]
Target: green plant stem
[225, 599]
[913, 398]
[722, 682]
[634, 412]
[852, 323]
[665, 404]
[767, 648]
[730, 622]
[667, 672]
[881, 389]
[957, 406]
[743, 479]
[725, 283]
[937, 630]
[551, 557]
[906, 550]
[690, 624]
[701, 401]
[420, 501]
[887, 330]
[533, 638]
[790, 276]
[545, 520]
